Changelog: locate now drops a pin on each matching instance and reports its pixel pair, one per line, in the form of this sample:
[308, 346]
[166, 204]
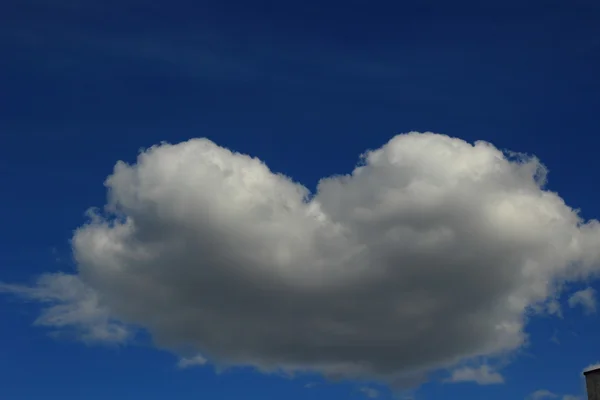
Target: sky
[302, 200]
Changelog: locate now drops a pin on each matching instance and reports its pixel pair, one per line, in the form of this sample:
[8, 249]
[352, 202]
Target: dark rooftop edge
[591, 371]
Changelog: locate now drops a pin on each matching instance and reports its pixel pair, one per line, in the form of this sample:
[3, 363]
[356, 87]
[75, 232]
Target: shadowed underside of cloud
[432, 251]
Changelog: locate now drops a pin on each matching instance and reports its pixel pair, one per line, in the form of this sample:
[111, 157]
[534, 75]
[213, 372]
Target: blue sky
[306, 88]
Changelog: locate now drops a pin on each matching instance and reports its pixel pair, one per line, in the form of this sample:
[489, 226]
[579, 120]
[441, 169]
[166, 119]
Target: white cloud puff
[433, 250]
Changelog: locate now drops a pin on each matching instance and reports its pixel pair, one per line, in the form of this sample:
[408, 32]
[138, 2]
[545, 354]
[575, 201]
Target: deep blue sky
[306, 87]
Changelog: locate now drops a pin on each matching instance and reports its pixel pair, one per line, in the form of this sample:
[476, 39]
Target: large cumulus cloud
[432, 251]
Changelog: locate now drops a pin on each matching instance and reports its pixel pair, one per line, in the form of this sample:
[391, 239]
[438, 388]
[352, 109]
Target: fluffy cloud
[585, 298]
[483, 375]
[432, 251]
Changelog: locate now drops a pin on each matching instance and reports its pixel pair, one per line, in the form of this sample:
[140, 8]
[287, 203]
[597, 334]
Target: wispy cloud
[553, 308]
[370, 392]
[541, 395]
[585, 298]
[554, 338]
[482, 375]
[195, 361]
[203, 53]
[544, 394]
[71, 307]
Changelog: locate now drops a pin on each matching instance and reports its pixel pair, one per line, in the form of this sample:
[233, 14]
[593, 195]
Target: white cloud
[542, 394]
[585, 298]
[197, 360]
[73, 307]
[482, 375]
[370, 392]
[431, 252]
